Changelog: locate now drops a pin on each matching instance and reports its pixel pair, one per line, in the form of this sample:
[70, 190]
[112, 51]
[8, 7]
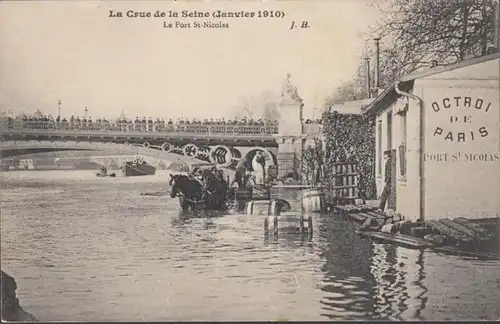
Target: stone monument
[290, 134]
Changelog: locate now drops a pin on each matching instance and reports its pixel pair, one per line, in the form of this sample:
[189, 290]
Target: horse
[216, 190]
[193, 196]
[188, 190]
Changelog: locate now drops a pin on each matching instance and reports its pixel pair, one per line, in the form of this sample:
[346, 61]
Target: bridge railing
[52, 126]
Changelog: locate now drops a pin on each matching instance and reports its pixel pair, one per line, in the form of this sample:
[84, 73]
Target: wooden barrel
[262, 207]
[313, 200]
[289, 223]
[243, 194]
[238, 205]
[261, 193]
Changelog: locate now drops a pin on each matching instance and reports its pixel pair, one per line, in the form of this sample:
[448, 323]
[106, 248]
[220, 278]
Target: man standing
[241, 177]
[387, 183]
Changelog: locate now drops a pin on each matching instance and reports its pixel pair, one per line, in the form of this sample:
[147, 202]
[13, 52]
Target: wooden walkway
[359, 213]
[456, 251]
[461, 236]
[402, 239]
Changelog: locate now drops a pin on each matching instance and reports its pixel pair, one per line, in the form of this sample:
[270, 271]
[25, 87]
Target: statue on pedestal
[254, 170]
[259, 172]
[289, 90]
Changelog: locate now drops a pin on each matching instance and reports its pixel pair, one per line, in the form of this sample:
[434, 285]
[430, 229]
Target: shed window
[403, 146]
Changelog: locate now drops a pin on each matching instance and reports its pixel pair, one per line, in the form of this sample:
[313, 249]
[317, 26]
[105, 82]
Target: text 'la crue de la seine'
[203, 19]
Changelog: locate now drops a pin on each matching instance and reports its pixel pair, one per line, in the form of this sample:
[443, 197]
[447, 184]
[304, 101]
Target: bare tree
[312, 161]
[446, 31]
[417, 34]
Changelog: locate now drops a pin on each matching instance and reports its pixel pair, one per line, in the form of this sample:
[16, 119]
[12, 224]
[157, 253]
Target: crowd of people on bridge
[42, 121]
[219, 125]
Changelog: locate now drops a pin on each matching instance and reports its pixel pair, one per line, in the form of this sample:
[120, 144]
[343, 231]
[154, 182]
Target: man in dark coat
[241, 177]
[387, 183]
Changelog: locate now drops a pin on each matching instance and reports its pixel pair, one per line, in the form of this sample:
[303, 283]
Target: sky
[74, 52]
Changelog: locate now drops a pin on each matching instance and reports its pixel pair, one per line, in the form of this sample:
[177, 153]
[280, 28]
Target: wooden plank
[381, 214]
[377, 215]
[395, 237]
[342, 209]
[474, 227]
[351, 209]
[357, 217]
[446, 230]
[398, 238]
[365, 215]
[454, 250]
[365, 208]
[460, 228]
[357, 209]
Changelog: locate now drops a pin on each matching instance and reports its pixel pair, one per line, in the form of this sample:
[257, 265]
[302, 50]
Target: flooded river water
[84, 248]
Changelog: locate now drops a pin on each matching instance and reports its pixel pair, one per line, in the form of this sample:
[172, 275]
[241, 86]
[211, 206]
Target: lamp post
[59, 108]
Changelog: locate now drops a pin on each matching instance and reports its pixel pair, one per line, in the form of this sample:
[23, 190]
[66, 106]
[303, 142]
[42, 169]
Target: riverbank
[11, 309]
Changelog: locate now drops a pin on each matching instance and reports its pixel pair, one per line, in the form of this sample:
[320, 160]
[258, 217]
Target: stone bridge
[223, 145]
[223, 156]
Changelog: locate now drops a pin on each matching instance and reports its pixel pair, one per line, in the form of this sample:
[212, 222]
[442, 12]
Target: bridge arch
[224, 156]
[269, 156]
[158, 153]
[12, 148]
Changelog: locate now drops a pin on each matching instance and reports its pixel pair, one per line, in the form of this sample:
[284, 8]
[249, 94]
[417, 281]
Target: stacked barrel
[241, 197]
[278, 217]
[289, 223]
[313, 200]
[262, 207]
[261, 192]
[261, 203]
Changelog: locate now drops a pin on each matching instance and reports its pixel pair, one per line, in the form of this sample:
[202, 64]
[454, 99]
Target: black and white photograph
[249, 160]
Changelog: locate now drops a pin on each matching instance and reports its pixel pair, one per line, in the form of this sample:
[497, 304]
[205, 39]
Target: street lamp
[59, 106]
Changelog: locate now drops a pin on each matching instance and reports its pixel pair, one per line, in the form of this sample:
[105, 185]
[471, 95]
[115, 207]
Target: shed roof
[406, 82]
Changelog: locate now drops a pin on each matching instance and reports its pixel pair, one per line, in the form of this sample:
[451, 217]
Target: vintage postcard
[300, 160]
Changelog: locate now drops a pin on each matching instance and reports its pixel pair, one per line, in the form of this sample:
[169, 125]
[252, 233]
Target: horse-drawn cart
[204, 188]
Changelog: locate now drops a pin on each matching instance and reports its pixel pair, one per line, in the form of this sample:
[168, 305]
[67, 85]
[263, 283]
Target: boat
[137, 167]
[104, 173]
[27, 164]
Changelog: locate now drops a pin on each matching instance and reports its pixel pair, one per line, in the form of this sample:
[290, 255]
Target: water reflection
[289, 240]
[400, 293]
[206, 217]
[347, 283]
[422, 296]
